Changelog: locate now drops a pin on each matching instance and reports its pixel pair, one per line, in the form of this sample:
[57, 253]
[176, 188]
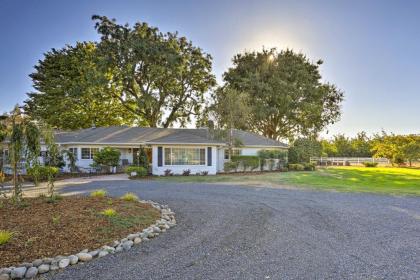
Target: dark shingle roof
[150, 135]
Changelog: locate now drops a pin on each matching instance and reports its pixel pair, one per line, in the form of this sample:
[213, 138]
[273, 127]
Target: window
[185, 156]
[235, 152]
[89, 153]
[73, 151]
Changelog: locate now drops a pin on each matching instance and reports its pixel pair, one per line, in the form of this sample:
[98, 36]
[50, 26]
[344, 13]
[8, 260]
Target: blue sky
[371, 49]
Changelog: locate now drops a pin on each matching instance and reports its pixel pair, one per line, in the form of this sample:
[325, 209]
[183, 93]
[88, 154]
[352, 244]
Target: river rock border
[41, 266]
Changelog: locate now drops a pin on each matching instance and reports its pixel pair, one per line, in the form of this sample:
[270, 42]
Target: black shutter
[209, 154]
[160, 156]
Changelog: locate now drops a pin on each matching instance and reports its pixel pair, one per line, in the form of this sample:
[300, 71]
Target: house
[176, 149]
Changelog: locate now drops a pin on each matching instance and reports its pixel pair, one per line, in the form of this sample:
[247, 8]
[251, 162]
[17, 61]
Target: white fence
[343, 161]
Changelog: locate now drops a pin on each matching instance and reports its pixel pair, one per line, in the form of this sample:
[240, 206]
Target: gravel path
[234, 232]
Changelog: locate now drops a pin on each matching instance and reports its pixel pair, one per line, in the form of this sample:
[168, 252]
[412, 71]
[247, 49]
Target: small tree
[142, 158]
[71, 159]
[108, 156]
[302, 149]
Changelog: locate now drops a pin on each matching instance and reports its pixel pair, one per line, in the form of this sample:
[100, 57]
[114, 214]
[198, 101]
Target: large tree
[287, 94]
[133, 75]
[161, 78]
[71, 91]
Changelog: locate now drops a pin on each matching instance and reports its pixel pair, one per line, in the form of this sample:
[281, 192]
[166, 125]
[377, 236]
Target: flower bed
[52, 236]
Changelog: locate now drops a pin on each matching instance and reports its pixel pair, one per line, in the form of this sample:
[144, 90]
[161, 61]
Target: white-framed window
[185, 156]
[73, 151]
[89, 153]
[235, 152]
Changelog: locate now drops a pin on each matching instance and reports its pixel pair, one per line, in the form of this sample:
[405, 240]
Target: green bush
[272, 154]
[107, 157]
[296, 167]
[252, 162]
[230, 166]
[130, 197]
[309, 166]
[370, 164]
[98, 193]
[139, 170]
[109, 212]
[5, 236]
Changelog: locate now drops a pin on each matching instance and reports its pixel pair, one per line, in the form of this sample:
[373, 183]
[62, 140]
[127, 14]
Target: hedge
[139, 170]
[252, 162]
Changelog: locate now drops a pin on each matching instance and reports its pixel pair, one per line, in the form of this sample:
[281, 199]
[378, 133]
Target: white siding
[178, 169]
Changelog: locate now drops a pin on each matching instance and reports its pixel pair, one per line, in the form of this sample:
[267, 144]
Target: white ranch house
[176, 149]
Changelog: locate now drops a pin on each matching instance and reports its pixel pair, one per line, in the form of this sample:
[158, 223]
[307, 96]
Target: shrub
[204, 173]
[296, 167]
[107, 156]
[252, 162]
[109, 212]
[139, 170]
[5, 236]
[186, 172]
[168, 172]
[370, 164]
[230, 165]
[98, 193]
[130, 197]
[272, 154]
[283, 169]
[309, 166]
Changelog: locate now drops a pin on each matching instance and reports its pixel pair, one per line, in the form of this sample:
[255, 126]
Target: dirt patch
[67, 226]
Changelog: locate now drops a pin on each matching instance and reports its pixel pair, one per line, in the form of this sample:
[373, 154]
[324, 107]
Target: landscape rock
[84, 257]
[132, 236]
[63, 263]
[84, 251]
[26, 264]
[137, 240]
[94, 253]
[18, 272]
[37, 262]
[43, 268]
[54, 266]
[73, 259]
[31, 272]
[119, 249]
[102, 254]
[47, 260]
[127, 245]
[4, 276]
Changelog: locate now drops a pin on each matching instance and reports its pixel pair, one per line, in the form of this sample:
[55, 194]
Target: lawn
[383, 180]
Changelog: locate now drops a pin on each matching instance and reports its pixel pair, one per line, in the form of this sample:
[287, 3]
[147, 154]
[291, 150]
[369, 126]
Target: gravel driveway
[234, 232]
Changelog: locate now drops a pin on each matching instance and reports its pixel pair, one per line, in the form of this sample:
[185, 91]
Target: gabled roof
[150, 135]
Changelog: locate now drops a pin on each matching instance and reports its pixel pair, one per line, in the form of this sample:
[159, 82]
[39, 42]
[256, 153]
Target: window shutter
[209, 155]
[160, 156]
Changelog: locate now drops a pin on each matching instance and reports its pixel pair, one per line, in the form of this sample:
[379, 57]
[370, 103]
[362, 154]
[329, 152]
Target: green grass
[98, 193]
[5, 236]
[109, 212]
[383, 180]
[130, 197]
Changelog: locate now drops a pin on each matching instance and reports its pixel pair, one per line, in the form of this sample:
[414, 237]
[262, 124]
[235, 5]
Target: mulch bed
[67, 226]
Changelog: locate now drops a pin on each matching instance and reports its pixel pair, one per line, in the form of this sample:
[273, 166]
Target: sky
[370, 49]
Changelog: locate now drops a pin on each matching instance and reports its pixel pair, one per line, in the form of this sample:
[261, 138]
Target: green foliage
[230, 166]
[71, 90]
[342, 146]
[71, 158]
[154, 72]
[370, 164]
[272, 154]
[252, 162]
[139, 170]
[296, 167]
[109, 212]
[130, 197]
[98, 193]
[142, 158]
[397, 148]
[302, 149]
[287, 95]
[309, 166]
[5, 236]
[107, 157]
